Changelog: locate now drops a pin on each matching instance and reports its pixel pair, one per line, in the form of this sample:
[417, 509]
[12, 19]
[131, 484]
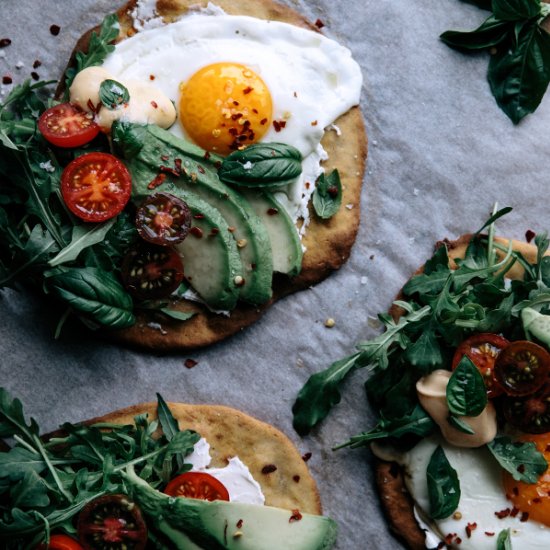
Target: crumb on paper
[300, 363]
[330, 322]
[416, 192]
[349, 206]
[364, 280]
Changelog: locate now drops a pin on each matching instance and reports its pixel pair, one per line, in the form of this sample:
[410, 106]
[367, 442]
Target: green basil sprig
[521, 459]
[466, 392]
[443, 485]
[327, 196]
[262, 165]
[113, 94]
[519, 68]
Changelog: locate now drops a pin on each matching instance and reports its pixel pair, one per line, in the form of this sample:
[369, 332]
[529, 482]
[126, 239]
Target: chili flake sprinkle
[279, 125]
[159, 180]
[190, 363]
[4, 42]
[196, 232]
[240, 524]
[296, 516]
[269, 469]
[306, 457]
[469, 528]
[529, 235]
[319, 24]
[35, 75]
[54, 29]
[7, 79]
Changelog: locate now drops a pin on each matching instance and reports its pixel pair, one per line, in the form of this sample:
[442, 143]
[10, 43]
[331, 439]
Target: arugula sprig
[43, 485]
[519, 67]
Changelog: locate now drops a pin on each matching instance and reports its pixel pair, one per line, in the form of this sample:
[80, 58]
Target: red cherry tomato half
[522, 368]
[530, 413]
[197, 485]
[96, 186]
[61, 542]
[112, 522]
[67, 125]
[483, 349]
[150, 272]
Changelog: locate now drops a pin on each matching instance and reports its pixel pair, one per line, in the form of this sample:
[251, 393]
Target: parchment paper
[441, 153]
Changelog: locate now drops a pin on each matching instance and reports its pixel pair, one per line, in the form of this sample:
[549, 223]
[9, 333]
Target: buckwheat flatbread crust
[259, 445]
[395, 499]
[328, 242]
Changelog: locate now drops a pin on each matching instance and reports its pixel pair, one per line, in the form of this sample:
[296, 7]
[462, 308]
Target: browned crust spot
[328, 242]
[231, 433]
[396, 501]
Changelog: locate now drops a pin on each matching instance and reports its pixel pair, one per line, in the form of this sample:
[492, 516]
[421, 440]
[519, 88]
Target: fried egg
[484, 509]
[236, 80]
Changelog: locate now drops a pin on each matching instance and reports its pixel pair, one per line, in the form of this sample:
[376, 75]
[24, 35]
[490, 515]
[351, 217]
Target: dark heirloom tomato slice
[529, 413]
[61, 542]
[150, 272]
[522, 368]
[197, 485]
[96, 186]
[163, 219]
[67, 125]
[112, 522]
[483, 349]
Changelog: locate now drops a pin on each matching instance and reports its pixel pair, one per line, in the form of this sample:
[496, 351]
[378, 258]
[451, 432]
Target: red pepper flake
[196, 232]
[201, 169]
[36, 64]
[279, 125]
[441, 545]
[177, 164]
[54, 29]
[269, 469]
[319, 24]
[296, 516]
[169, 170]
[4, 42]
[159, 180]
[190, 363]
[35, 75]
[247, 90]
[458, 540]
[199, 216]
[489, 533]
[240, 523]
[214, 231]
[255, 111]
[315, 122]
[206, 155]
[332, 190]
[514, 512]
[296, 479]
[529, 235]
[308, 185]
[524, 517]
[515, 490]
[7, 79]
[521, 468]
[236, 116]
[272, 211]
[469, 528]
[503, 513]
[152, 77]
[155, 104]
[306, 457]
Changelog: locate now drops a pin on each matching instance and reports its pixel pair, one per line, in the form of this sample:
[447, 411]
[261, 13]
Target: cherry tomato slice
[67, 125]
[150, 272]
[483, 349]
[522, 368]
[197, 485]
[96, 186]
[112, 522]
[61, 542]
[163, 219]
[530, 413]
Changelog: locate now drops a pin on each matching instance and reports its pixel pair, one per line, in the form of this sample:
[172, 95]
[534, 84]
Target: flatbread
[271, 457]
[328, 242]
[395, 499]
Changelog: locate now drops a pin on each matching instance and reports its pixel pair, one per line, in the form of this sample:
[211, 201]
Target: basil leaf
[516, 10]
[167, 421]
[95, 293]
[327, 196]
[490, 33]
[459, 424]
[504, 541]
[178, 315]
[82, 237]
[113, 94]
[443, 485]
[521, 459]
[519, 73]
[466, 392]
[262, 165]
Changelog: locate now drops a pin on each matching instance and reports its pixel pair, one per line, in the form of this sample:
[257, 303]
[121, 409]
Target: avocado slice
[286, 246]
[193, 169]
[221, 525]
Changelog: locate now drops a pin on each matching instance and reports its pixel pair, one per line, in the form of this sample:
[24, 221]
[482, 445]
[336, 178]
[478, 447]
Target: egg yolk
[533, 500]
[225, 107]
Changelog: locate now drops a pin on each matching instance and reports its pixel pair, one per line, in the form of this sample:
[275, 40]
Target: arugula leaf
[262, 165]
[12, 420]
[99, 47]
[30, 491]
[521, 459]
[504, 540]
[167, 421]
[443, 485]
[113, 94]
[466, 391]
[327, 196]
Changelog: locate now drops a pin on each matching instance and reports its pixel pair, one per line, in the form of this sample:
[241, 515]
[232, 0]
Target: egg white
[312, 79]
[482, 494]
